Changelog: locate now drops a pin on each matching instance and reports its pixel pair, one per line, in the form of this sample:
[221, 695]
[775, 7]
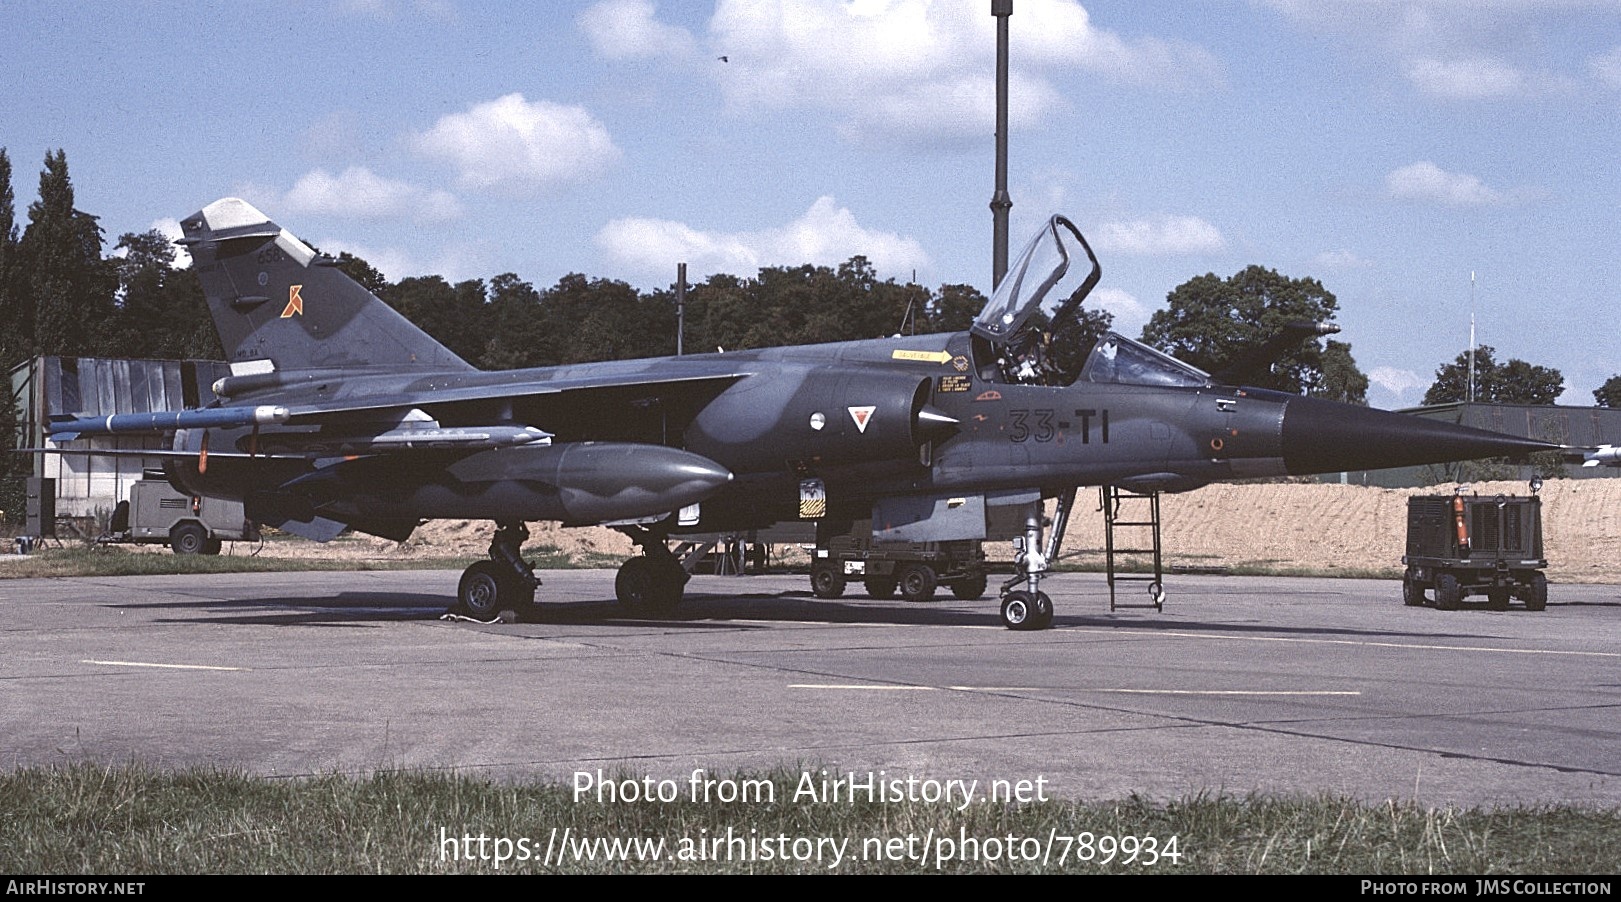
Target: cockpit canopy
[1117, 360]
[1044, 279]
[1032, 330]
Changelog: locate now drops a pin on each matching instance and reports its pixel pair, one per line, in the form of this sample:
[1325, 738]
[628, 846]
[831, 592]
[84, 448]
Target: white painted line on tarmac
[841, 686]
[163, 666]
[1366, 644]
[1217, 692]
[1230, 691]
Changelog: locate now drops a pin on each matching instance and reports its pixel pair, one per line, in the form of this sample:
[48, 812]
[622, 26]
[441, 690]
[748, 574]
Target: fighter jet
[340, 414]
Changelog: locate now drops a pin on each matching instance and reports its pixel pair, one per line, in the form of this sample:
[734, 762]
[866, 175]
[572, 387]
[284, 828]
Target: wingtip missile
[67, 427]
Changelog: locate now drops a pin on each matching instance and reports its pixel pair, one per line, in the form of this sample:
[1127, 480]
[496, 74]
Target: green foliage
[1514, 382]
[13, 340]
[1211, 322]
[1608, 394]
[63, 286]
[161, 309]
[1339, 379]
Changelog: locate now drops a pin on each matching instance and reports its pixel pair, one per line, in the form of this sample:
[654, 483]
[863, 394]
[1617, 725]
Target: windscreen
[1120, 361]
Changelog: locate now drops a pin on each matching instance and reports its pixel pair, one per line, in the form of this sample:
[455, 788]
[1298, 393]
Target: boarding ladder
[1111, 500]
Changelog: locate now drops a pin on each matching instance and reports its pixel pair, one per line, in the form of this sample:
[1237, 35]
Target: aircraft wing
[295, 407]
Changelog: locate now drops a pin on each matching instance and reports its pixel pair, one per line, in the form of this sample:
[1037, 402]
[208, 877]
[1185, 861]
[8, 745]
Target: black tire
[879, 587]
[1448, 594]
[188, 538]
[1019, 612]
[1044, 611]
[480, 594]
[917, 582]
[827, 582]
[970, 587]
[644, 587]
[1412, 591]
[213, 546]
[1536, 596]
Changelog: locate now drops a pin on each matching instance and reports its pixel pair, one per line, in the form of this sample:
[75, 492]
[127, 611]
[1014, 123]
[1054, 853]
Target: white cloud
[1341, 259]
[359, 193]
[1160, 235]
[826, 234]
[1475, 78]
[627, 29]
[1129, 314]
[511, 143]
[454, 262]
[1607, 67]
[1425, 181]
[899, 68]
[1396, 381]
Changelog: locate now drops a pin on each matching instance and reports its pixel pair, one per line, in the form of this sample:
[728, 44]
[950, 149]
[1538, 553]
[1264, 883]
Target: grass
[90, 819]
[104, 561]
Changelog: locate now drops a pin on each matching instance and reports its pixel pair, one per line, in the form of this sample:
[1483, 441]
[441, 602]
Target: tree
[1210, 322]
[61, 278]
[954, 308]
[1514, 382]
[1608, 394]
[161, 309]
[13, 344]
[1340, 379]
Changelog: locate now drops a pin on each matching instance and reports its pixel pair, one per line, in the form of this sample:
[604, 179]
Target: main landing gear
[505, 582]
[650, 585]
[1029, 608]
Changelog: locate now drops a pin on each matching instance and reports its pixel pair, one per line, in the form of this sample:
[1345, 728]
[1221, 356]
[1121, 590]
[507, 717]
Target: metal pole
[1001, 202]
[1471, 336]
[680, 305]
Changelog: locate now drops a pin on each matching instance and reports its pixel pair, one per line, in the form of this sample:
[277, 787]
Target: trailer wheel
[1448, 593]
[971, 587]
[1536, 598]
[879, 586]
[188, 538]
[917, 582]
[827, 582]
[1412, 593]
[213, 546]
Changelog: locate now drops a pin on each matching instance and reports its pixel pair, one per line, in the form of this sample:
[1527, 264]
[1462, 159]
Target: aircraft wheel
[643, 587]
[971, 587]
[1023, 611]
[479, 593]
[827, 582]
[1044, 611]
[879, 586]
[188, 538]
[1412, 593]
[917, 582]
[1448, 593]
[1536, 598]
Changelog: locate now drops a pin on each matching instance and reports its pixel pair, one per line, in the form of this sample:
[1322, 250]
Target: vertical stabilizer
[275, 300]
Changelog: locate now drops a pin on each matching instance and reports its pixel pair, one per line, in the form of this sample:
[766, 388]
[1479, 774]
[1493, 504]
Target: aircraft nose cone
[1326, 437]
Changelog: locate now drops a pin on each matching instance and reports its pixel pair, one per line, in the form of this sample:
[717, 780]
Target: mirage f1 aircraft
[340, 414]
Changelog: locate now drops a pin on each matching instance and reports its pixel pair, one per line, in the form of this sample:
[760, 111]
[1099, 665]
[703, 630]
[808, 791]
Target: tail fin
[274, 299]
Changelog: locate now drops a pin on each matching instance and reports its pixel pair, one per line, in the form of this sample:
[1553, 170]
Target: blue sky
[1388, 149]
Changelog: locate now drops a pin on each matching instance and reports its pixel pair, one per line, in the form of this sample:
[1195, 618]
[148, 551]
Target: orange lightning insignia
[295, 304]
